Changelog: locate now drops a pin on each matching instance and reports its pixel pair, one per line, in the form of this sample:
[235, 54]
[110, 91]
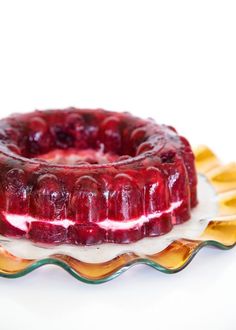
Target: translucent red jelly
[92, 176]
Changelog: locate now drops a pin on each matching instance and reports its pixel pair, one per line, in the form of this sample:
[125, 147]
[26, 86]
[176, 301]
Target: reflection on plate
[212, 223]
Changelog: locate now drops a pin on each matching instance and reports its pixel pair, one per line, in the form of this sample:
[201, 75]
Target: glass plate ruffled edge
[220, 232]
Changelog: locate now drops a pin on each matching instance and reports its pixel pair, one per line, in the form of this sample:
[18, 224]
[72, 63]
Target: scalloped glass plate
[212, 223]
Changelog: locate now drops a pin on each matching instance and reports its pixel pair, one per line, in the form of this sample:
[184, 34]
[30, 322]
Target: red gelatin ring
[87, 177]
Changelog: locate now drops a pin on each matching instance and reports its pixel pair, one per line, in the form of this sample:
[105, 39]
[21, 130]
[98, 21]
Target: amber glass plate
[219, 231]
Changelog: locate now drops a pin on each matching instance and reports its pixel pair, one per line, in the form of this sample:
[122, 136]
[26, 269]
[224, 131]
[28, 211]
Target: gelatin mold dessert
[86, 177]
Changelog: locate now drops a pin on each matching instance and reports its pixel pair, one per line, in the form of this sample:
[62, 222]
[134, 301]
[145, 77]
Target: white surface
[171, 60]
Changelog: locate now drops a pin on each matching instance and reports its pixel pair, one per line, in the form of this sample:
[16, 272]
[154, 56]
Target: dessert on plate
[87, 177]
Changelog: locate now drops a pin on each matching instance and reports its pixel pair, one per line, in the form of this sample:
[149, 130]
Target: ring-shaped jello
[87, 177]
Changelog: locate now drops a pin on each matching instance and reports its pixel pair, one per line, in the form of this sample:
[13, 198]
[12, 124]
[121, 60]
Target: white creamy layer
[200, 216]
[22, 222]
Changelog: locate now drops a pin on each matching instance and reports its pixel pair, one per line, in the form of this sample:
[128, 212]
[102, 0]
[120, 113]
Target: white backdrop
[174, 61]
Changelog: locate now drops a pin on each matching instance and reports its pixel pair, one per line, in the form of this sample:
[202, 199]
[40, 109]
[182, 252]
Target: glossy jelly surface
[86, 177]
